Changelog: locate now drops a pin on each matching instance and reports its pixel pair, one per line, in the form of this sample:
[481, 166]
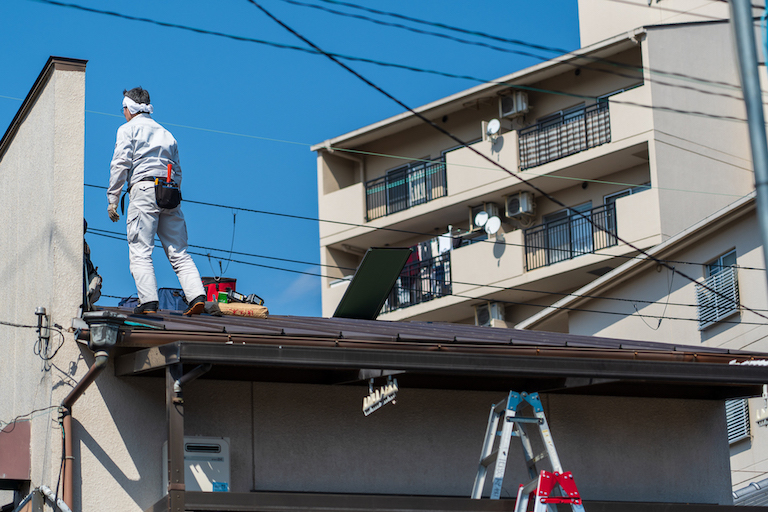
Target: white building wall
[41, 257]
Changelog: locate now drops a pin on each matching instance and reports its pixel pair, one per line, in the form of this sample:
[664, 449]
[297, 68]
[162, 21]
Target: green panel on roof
[373, 280]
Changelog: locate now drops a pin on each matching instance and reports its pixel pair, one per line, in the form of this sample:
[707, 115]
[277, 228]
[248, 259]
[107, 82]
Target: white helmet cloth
[134, 107]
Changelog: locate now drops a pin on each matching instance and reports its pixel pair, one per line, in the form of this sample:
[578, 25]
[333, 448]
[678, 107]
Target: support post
[744, 35]
[174, 407]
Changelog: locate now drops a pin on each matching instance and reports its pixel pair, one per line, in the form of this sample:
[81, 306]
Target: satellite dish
[494, 127]
[492, 225]
[481, 218]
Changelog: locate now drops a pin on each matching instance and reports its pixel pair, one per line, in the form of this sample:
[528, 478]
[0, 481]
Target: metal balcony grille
[713, 307]
[565, 135]
[571, 236]
[737, 419]
[404, 188]
[421, 281]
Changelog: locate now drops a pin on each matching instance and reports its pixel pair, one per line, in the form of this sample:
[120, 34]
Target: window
[737, 419]
[611, 198]
[718, 296]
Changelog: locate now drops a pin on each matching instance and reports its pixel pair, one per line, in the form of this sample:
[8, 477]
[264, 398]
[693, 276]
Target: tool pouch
[167, 195]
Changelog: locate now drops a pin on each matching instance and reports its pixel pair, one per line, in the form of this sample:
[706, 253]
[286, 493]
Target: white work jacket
[145, 147]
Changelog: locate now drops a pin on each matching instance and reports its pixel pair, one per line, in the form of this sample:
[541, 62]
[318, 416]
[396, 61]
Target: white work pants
[145, 219]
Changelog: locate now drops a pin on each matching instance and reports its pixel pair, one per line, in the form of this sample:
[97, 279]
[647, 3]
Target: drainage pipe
[102, 356]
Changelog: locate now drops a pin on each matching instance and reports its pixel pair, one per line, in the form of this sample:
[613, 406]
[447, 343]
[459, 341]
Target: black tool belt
[167, 194]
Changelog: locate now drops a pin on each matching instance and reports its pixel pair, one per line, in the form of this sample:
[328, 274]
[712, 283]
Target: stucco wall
[41, 259]
[315, 438]
[702, 160]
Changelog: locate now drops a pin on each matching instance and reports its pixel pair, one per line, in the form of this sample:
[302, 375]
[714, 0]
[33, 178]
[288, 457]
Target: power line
[120, 236]
[531, 45]
[510, 302]
[337, 56]
[487, 158]
[508, 50]
[408, 232]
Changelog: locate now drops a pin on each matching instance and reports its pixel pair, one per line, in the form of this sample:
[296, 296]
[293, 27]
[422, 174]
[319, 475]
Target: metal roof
[436, 355]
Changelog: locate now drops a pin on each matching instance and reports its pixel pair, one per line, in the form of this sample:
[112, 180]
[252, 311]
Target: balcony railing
[565, 135]
[404, 188]
[421, 281]
[570, 236]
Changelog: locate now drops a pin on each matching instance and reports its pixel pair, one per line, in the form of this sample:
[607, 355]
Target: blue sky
[245, 114]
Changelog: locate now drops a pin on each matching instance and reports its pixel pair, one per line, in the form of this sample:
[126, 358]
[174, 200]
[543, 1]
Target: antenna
[493, 129]
[492, 225]
[481, 218]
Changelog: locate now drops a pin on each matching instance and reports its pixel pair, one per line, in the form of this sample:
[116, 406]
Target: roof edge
[53, 64]
[623, 272]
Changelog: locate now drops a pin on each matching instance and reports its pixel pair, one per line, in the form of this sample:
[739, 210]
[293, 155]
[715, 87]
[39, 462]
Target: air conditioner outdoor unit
[206, 464]
[492, 209]
[519, 204]
[516, 104]
[490, 314]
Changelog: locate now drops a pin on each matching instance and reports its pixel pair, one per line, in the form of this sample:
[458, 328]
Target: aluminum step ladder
[547, 488]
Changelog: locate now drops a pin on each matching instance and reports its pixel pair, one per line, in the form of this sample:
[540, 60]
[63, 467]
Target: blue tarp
[171, 299]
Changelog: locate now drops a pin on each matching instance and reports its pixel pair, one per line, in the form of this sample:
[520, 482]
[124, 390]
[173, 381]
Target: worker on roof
[143, 152]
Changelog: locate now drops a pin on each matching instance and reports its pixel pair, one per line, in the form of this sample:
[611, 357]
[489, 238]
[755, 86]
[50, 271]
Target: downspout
[102, 356]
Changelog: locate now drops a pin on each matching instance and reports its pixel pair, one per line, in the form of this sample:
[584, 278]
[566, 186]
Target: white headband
[134, 107]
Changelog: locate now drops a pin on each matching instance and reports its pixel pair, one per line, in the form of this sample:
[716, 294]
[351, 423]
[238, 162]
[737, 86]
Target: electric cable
[487, 158]
[336, 56]
[508, 50]
[121, 237]
[395, 230]
[17, 418]
[559, 51]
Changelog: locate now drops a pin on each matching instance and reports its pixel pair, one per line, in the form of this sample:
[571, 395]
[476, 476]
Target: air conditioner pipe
[102, 356]
[190, 376]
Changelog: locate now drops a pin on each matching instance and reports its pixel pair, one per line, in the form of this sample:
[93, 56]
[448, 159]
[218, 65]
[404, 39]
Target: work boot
[146, 308]
[196, 306]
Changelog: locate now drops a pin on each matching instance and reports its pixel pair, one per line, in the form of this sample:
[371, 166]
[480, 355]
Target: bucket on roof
[214, 285]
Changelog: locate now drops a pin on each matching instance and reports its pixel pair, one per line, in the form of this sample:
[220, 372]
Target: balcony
[571, 236]
[565, 134]
[421, 281]
[405, 188]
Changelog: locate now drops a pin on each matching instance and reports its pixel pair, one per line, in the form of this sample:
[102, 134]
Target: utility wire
[542, 58]
[516, 303]
[487, 158]
[337, 56]
[559, 51]
[409, 232]
[17, 418]
[114, 235]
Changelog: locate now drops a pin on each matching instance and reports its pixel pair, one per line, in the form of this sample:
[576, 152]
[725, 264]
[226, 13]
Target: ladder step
[490, 459]
[519, 419]
[537, 459]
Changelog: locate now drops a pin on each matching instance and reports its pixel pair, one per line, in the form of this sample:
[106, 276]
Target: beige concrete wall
[315, 438]
[41, 259]
[467, 171]
[487, 263]
[701, 161]
[599, 20]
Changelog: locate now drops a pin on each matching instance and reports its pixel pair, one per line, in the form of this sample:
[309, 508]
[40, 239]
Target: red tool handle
[169, 173]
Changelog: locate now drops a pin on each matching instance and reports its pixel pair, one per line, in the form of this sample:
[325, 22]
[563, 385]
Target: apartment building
[640, 132]
[604, 132]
